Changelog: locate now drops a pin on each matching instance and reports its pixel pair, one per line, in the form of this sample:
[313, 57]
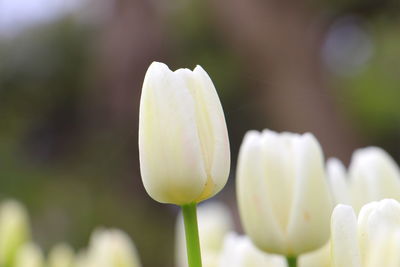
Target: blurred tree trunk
[131, 39]
[279, 42]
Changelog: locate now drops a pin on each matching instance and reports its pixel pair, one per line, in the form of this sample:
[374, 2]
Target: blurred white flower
[29, 255]
[14, 230]
[61, 255]
[82, 259]
[372, 241]
[183, 139]
[338, 181]
[238, 251]
[215, 222]
[318, 258]
[373, 175]
[112, 248]
[284, 199]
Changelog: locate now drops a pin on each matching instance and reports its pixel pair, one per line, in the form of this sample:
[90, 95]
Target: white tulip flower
[112, 248]
[82, 259]
[61, 255]
[371, 241]
[215, 221]
[284, 199]
[183, 139]
[372, 176]
[14, 230]
[238, 251]
[29, 255]
[338, 181]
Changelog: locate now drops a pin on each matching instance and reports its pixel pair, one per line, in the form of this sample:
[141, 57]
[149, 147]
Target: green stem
[291, 261]
[192, 235]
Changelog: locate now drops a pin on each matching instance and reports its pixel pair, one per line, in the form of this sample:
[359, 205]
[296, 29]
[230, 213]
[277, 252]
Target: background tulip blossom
[215, 221]
[14, 231]
[372, 240]
[239, 251]
[284, 199]
[372, 176]
[112, 248]
[61, 255]
[29, 255]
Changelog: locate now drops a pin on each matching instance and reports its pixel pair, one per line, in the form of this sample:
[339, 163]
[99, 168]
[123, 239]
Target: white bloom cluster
[285, 192]
[107, 248]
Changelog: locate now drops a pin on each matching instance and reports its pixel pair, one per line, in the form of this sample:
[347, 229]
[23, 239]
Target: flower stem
[291, 261]
[192, 235]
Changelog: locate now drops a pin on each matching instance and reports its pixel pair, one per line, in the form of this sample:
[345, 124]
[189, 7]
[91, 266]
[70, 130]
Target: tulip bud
[373, 240]
[183, 139]
[82, 259]
[61, 255]
[112, 248]
[338, 181]
[344, 243]
[29, 255]
[238, 251]
[14, 230]
[215, 222]
[372, 176]
[283, 196]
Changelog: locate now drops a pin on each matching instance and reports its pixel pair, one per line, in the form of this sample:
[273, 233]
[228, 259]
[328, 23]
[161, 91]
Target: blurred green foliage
[372, 96]
[70, 179]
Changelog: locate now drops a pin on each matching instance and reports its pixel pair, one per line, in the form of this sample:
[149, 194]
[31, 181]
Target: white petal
[14, 230]
[112, 248]
[278, 173]
[61, 255]
[372, 218]
[254, 206]
[317, 258]
[171, 160]
[336, 174]
[29, 255]
[373, 176]
[308, 227]
[385, 249]
[240, 252]
[364, 228]
[344, 242]
[211, 128]
[378, 232]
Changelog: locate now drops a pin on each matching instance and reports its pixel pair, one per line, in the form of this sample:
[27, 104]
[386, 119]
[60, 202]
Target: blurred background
[70, 79]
